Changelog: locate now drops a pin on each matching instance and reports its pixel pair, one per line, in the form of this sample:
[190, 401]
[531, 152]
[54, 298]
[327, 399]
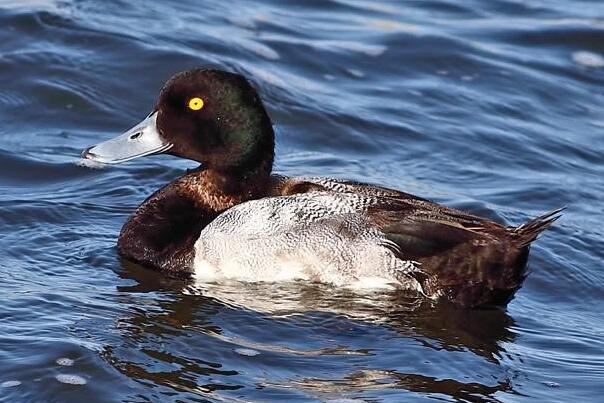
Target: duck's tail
[486, 274]
[529, 231]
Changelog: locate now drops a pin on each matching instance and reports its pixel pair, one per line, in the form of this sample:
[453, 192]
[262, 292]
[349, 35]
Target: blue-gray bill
[143, 139]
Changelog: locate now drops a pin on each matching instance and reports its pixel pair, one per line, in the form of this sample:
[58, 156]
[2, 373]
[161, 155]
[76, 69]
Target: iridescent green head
[210, 116]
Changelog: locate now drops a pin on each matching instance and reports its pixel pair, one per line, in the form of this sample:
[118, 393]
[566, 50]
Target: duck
[232, 218]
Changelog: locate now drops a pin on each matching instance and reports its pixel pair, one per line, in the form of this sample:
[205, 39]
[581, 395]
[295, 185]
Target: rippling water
[495, 107]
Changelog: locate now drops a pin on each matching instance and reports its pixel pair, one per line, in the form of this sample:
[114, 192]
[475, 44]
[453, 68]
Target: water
[495, 107]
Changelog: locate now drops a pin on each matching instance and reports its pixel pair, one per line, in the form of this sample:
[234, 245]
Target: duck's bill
[143, 139]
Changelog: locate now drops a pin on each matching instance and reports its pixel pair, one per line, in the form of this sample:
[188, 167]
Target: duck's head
[205, 115]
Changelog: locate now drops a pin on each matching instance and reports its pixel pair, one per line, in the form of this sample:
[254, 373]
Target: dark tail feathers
[529, 231]
[485, 275]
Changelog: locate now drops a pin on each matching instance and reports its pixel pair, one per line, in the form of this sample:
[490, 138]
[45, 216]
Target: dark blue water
[496, 107]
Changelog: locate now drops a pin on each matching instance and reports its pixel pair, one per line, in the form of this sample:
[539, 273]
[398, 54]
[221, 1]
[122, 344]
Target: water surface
[494, 107]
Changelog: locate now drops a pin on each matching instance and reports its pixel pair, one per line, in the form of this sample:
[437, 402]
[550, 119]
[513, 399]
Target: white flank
[320, 237]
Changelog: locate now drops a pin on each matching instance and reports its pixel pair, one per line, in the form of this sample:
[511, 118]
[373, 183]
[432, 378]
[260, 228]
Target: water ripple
[494, 107]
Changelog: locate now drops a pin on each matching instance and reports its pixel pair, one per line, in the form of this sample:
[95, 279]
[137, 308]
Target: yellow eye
[195, 103]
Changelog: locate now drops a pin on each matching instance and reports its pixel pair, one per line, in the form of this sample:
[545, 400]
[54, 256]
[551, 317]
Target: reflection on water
[379, 380]
[211, 315]
[496, 107]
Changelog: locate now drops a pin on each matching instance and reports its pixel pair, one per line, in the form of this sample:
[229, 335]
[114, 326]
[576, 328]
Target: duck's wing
[407, 212]
[391, 201]
[470, 260]
[419, 226]
[466, 259]
[302, 184]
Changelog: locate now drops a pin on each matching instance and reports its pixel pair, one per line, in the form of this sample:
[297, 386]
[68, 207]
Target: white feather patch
[319, 236]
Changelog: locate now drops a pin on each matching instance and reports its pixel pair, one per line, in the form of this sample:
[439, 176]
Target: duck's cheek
[143, 139]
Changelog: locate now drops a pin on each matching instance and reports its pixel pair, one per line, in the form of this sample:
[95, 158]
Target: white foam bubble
[71, 379]
[66, 362]
[10, 384]
[356, 73]
[85, 162]
[588, 59]
[248, 352]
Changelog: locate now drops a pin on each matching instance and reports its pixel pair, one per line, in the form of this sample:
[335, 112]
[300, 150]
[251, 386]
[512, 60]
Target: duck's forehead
[201, 84]
[182, 88]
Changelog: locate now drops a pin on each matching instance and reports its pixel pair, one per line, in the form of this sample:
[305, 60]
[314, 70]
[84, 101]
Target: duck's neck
[220, 189]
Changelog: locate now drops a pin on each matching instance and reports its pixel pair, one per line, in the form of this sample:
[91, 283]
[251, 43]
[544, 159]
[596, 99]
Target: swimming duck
[231, 218]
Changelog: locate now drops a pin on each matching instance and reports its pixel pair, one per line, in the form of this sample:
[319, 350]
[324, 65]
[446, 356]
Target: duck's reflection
[376, 380]
[178, 340]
